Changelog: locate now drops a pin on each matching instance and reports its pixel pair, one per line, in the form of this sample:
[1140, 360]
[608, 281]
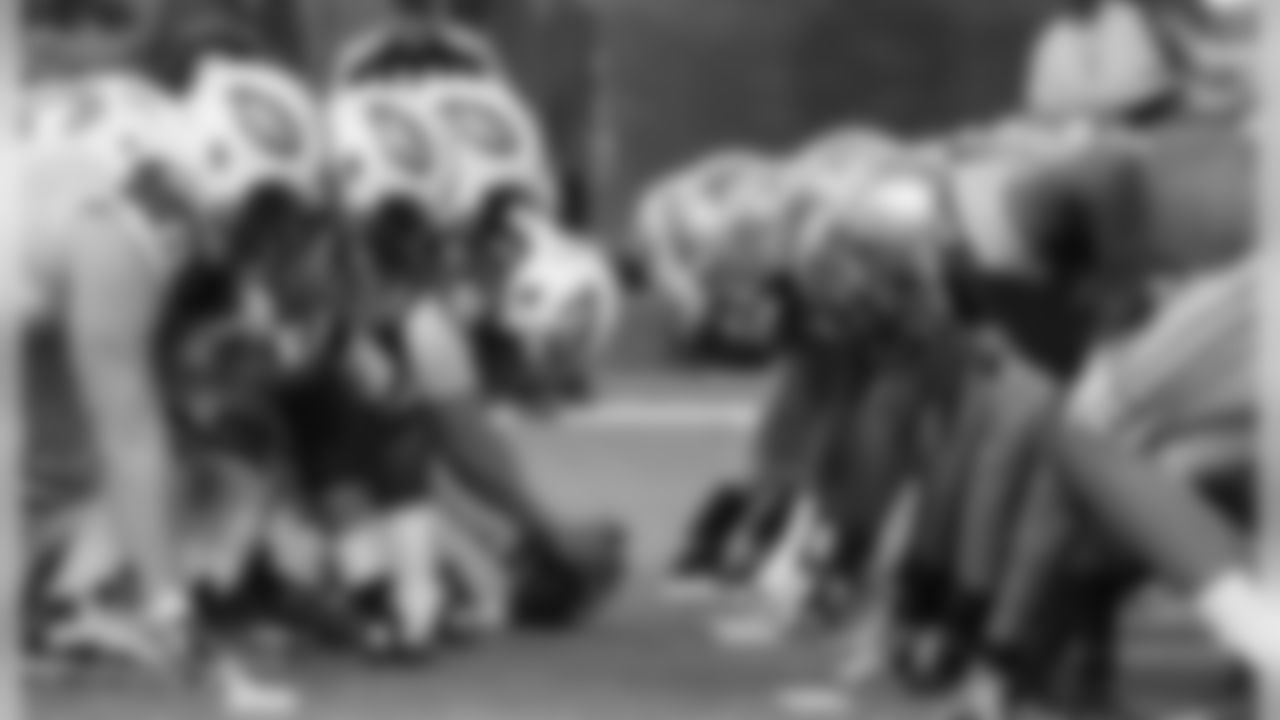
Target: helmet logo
[481, 126]
[401, 138]
[268, 123]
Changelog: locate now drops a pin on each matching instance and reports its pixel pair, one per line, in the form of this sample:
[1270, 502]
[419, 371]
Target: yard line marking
[670, 415]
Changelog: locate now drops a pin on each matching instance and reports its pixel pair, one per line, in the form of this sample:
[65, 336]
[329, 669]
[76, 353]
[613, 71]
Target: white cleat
[817, 701]
[245, 696]
[752, 630]
[113, 635]
[691, 592]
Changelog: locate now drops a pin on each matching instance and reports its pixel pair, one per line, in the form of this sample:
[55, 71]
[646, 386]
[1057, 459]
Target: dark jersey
[1171, 202]
[1044, 320]
[228, 397]
[342, 435]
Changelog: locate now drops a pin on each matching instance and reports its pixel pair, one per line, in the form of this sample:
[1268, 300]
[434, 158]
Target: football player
[1204, 171]
[440, 244]
[684, 228]
[205, 178]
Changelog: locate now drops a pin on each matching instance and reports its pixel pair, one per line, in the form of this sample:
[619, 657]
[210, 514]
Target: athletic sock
[966, 617]
[1241, 618]
[924, 594]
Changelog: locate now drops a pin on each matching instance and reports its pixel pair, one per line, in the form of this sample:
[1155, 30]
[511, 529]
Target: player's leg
[818, 462]
[905, 609]
[1191, 365]
[86, 564]
[1054, 630]
[1194, 364]
[1013, 652]
[925, 585]
[295, 556]
[114, 302]
[14, 436]
[704, 553]
[783, 453]
[418, 596]
[915, 432]
[1018, 402]
[362, 577]
[469, 440]
[225, 532]
[873, 456]
[484, 461]
[474, 549]
[1171, 372]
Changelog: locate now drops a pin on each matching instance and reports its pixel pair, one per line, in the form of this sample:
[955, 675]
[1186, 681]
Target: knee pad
[362, 554]
[296, 551]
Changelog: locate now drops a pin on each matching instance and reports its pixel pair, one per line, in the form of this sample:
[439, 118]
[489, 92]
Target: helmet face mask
[744, 318]
[256, 133]
[840, 295]
[254, 174]
[499, 239]
[709, 240]
[555, 314]
[404, 251]
[269, 229]
[282, 260]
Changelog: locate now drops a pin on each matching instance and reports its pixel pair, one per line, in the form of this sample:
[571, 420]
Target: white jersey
[563, 289]
[82, 147]
[109, 124]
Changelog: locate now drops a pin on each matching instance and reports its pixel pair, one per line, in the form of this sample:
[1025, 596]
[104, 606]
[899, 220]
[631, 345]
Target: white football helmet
[561, 304]
[846, 145]
[494, 143]
[693, 216]
[688, 221]
[821, 185]
[252, 125]
[894, 204]
[383, 150]
[875, 253]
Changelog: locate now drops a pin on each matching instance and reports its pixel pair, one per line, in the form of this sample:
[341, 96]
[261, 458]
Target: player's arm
[447, 374]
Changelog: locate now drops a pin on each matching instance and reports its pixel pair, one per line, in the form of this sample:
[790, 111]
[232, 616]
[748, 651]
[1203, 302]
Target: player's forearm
[485, 460]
